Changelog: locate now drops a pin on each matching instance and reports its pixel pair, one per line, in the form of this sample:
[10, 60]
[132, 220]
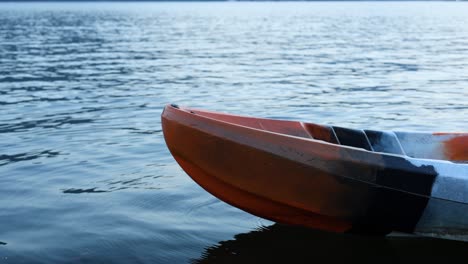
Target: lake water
[85, 175]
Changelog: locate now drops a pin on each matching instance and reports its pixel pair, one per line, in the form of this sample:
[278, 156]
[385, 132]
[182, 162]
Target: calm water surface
[84, 172]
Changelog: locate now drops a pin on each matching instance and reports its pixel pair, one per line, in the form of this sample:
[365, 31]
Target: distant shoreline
[130, 1]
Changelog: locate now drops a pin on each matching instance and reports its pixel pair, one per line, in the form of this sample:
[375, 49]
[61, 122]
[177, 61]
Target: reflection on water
[287, 244]
[85, 175]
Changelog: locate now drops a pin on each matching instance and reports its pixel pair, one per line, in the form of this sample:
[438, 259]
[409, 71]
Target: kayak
[326, 177]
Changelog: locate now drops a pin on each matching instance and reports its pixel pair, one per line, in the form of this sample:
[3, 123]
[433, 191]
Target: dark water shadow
[287, 244]
[7, 159]
[78, 191]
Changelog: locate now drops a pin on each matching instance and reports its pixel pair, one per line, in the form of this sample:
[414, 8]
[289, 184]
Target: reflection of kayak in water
[325, 177]
[289, 244]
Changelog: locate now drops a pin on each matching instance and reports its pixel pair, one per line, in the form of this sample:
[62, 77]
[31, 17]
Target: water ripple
[83, 164]
[54, 123]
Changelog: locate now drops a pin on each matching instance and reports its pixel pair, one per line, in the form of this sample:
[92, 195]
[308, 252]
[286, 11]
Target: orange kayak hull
[299, 173]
